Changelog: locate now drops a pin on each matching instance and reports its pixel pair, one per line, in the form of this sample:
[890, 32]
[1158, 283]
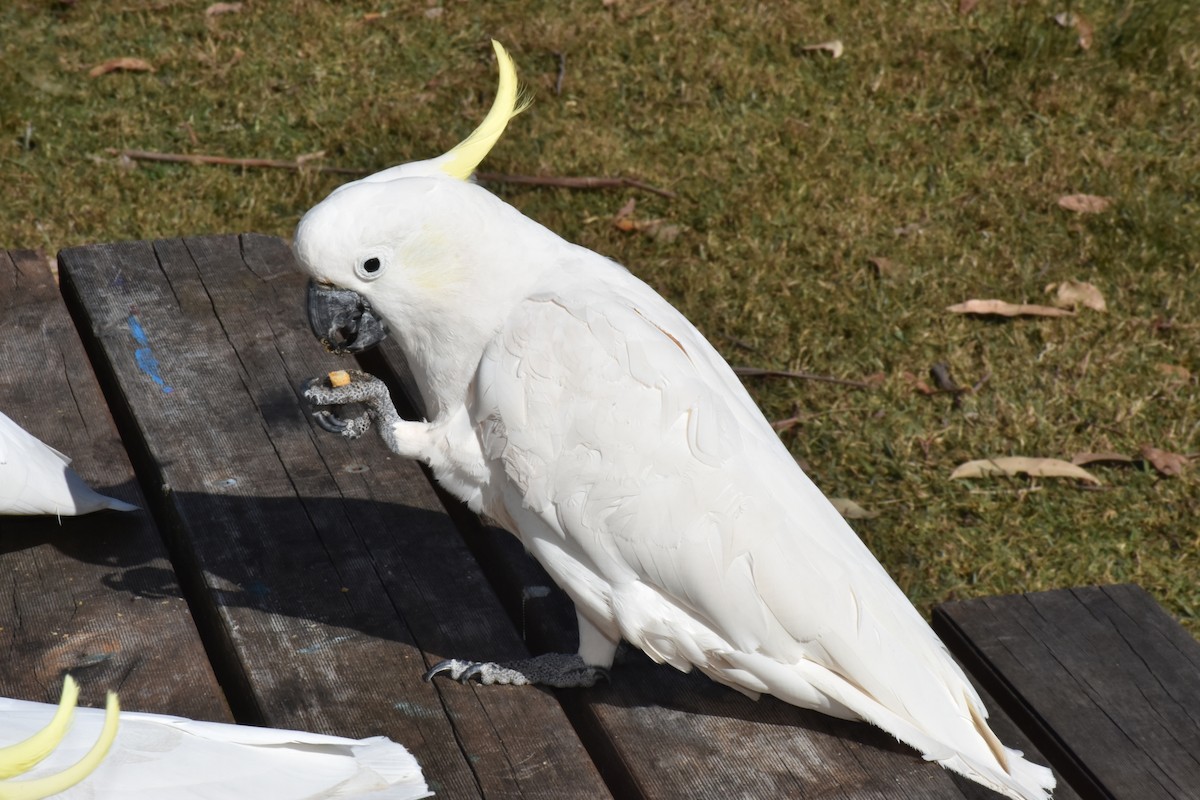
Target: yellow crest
[461, 161]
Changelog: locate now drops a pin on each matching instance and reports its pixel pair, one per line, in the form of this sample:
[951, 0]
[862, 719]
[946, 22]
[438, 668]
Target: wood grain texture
[1103, 679]
[657, 733]
[94, 596]
[329, 574]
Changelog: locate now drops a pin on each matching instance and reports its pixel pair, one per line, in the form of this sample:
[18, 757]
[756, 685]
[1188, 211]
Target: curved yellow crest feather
[20, 757]
[462, 160]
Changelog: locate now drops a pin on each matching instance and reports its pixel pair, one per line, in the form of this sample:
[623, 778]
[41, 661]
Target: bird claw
[350, 427]
[319, 394]
[329, 421]
[456, 669]
[559, 670]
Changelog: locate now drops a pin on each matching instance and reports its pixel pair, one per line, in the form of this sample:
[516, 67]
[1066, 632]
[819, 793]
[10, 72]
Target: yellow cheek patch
[431, 261]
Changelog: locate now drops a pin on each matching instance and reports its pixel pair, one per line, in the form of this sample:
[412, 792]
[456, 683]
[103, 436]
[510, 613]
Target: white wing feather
[640, 473]
[36, 479]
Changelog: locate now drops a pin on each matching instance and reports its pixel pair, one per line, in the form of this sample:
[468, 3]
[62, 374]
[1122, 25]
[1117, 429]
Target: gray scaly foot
[560, 670]
[363, 389]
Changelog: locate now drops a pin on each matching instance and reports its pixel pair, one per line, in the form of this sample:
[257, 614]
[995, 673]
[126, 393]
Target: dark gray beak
[343, 320]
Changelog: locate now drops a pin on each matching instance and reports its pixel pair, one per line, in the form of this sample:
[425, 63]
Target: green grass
[938, 141]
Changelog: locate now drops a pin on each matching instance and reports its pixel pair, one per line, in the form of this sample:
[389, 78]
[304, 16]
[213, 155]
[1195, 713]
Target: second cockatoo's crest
[461, 160]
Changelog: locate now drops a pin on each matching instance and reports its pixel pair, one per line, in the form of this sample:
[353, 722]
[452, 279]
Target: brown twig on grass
[562, 73]
[575, 182]
[302, 163]
[249, 163]
[787, 424]
[756, 372]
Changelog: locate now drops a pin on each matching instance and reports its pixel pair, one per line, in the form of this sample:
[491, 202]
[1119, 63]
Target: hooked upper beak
[343, 320]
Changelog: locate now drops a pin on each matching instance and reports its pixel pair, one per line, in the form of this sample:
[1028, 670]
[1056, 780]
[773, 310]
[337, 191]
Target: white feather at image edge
[164, 757]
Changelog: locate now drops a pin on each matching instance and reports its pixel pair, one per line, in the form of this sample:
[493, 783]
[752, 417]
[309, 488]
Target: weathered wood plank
[657, 733]
[330, 573]
[94, 596]
[1102, 678]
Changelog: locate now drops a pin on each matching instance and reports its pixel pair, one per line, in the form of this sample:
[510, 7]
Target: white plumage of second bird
[37, 479]
[575, 406]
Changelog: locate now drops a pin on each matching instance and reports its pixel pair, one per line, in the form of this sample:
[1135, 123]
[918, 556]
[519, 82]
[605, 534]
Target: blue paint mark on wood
[257, 588]
[144, 356]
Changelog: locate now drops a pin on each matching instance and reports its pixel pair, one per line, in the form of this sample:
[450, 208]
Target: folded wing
[641, 474]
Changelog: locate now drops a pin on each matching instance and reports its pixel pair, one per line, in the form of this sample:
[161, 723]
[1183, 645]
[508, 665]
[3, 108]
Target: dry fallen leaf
[658, 229]
[919, 386]
[123, 64]
[786, 424]
[967, 6]
[1085, 203]
[1167, 463]
[834, 48]
[1017, 465]
[1073, 294]
[1084, 29]
[885, 268]
[850, 509]
[217, 9]
[1003, 309]
[625, 212]
[1080, 459]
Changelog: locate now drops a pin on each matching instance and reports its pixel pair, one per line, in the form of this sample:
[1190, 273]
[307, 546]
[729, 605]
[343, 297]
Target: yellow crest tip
[462, 160]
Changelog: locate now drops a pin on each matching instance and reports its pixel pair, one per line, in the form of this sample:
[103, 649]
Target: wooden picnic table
[281, 576]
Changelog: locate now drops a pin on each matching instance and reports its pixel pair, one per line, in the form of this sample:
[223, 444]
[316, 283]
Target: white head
[437, 258]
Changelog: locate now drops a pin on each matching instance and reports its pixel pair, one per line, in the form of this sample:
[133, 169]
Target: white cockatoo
[572, 404]
[37, 479]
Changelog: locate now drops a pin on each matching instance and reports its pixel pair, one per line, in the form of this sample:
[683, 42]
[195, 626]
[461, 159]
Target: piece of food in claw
[339, 378]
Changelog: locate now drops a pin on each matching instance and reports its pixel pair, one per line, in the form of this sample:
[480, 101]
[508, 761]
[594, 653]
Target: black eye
[370, 268]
